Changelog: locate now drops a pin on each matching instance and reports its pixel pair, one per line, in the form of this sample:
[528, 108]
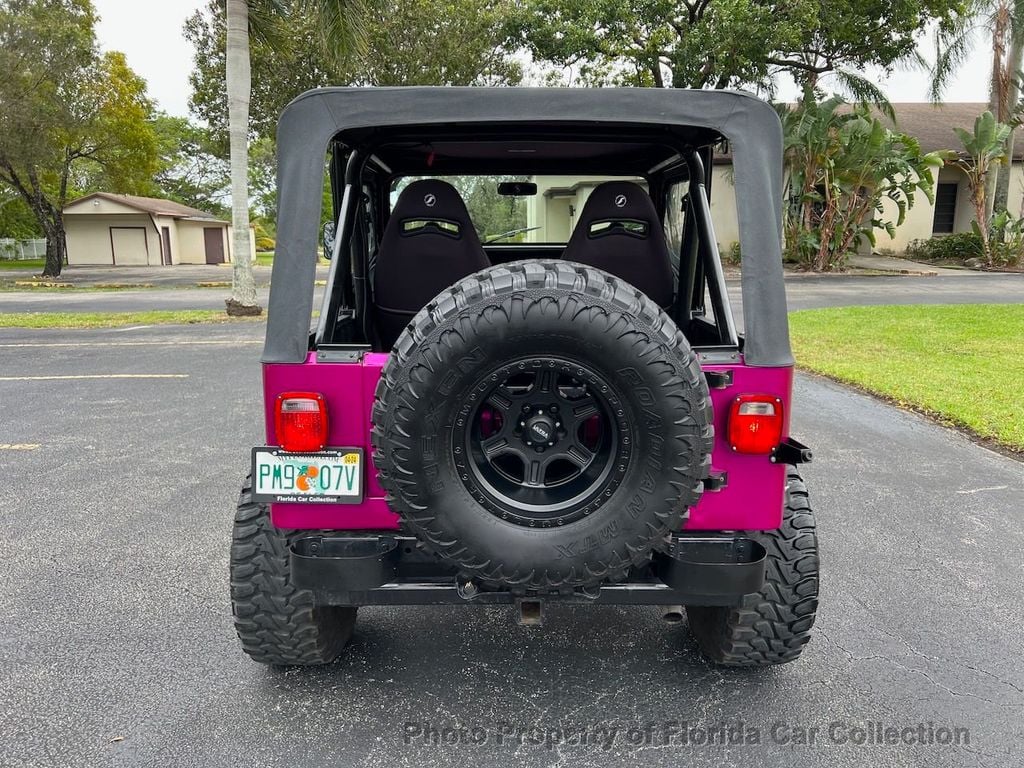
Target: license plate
[326, 477]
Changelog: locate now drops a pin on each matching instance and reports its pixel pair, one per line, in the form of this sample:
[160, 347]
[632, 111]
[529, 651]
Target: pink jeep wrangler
[525, 383]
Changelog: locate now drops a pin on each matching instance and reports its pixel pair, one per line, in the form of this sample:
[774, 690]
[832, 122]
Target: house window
[945, 208]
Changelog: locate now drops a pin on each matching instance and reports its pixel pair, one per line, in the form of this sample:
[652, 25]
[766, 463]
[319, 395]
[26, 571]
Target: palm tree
[983, 151]
[339, 22]
[1002, 23]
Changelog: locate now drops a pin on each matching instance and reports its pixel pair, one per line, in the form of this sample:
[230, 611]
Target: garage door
[129, 245]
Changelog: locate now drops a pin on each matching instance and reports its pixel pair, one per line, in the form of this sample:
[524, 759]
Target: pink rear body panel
[752, 499]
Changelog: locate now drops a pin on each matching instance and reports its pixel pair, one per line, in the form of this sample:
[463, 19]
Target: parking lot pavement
[118, 649]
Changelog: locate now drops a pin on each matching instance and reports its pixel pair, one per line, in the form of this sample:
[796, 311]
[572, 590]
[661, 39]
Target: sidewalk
[177, 276]
[905, 267]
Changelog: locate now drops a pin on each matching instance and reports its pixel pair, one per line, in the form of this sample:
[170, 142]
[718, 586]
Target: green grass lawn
[963, 364]
[115, 319]
[28, 264]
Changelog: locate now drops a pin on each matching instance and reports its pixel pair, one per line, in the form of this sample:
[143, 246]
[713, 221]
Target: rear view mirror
[517, 189]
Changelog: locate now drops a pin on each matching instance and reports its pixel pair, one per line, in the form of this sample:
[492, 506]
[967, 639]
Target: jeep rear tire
[542, 426]
[773, 625]
[276, 622]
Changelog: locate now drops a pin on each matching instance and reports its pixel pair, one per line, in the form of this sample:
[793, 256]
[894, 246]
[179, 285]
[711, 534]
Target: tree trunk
[52, 224]
[1004, 74]
[1013, 65]
[977, 189]
[239, 85]
[1002, 191]
[991, 180]
[54, 254]
[987, 191]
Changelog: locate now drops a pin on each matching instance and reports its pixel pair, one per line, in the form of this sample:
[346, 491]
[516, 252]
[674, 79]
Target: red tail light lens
[300, 420]
[755, 423]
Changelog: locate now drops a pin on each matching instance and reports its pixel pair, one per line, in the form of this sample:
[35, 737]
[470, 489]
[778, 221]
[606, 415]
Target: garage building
[126, 230]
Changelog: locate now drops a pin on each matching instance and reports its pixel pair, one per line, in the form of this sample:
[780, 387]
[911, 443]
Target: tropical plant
[848, 176]
[1001, 24]
[1006, 238]
[984, 151]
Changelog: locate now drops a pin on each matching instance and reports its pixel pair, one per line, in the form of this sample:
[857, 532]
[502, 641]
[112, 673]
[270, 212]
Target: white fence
[18, 250]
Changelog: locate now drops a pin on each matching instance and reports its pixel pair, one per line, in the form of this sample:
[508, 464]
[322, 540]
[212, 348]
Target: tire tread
[276, 622]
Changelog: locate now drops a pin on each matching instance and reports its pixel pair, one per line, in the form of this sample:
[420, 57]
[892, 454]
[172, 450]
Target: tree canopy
[409, 42]
[189, 169]
[725, 43]
[70, 117]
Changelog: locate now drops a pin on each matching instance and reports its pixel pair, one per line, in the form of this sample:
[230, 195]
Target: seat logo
[620, 201]
[429, 201]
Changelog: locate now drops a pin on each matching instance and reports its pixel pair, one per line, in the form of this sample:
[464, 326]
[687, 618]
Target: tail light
[755, 423]
[300, 421]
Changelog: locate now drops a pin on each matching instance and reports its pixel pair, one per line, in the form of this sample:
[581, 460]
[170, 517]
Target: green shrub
[957, 247]
[731, 255]
[264, 244]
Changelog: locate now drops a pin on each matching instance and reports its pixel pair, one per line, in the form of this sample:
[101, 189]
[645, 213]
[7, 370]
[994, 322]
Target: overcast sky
[149, 34]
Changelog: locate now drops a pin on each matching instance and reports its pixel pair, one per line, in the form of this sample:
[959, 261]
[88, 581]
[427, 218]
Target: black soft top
[694, 118]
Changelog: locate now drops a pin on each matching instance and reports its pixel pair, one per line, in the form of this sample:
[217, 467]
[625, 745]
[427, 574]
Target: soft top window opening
[546, 217]
[689, 167]
[366, 117]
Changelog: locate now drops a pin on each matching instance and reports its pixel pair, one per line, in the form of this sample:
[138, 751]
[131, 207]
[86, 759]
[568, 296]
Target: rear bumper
[388, 569]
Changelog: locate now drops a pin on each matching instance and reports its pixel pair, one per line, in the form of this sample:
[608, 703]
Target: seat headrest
[618, 198]
[619, 231]
[427, 199]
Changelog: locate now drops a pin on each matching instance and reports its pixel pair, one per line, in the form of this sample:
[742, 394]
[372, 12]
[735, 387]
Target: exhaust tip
[672, 614]
[531, 613]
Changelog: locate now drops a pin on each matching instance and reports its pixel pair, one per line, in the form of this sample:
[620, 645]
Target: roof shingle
[153, 205]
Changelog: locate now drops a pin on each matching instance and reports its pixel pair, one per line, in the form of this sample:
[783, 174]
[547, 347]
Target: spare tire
[542, 426]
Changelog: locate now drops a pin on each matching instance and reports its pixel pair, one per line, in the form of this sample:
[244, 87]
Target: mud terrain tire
[277, 623]
[603, 338]
[771, 626]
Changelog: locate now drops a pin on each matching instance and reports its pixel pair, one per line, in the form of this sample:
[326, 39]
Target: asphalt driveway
[117, 646]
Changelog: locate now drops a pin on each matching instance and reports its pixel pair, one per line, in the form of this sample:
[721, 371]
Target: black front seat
[429, 243]
[619, 231]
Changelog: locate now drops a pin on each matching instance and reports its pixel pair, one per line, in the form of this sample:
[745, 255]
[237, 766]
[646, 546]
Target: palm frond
[864, 91]
[265, 21]
[342, 25]
[954, 43]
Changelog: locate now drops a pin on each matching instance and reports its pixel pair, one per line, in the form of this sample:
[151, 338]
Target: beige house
[952, 212]
[560, 198]
[126, 230]
[551, 213]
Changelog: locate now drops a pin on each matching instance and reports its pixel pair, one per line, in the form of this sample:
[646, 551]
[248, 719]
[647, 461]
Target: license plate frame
[336, 460]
